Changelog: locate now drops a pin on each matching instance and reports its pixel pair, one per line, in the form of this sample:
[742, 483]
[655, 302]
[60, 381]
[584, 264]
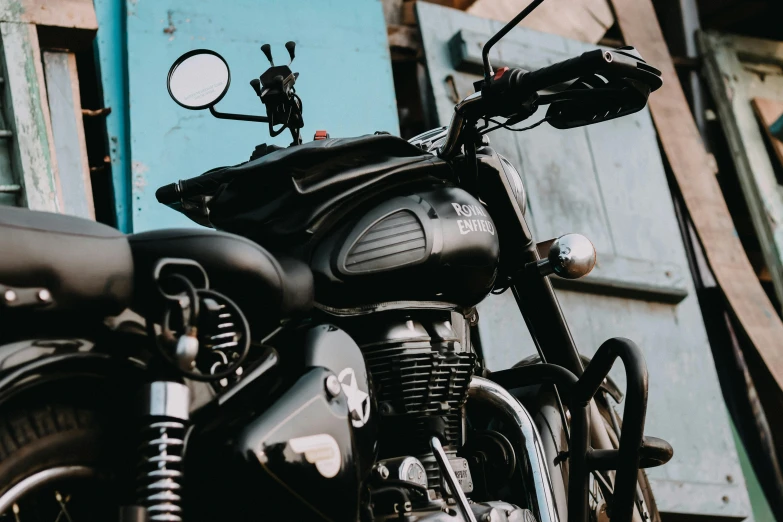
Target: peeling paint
[33, 159]
[139, 171]
[171, 29]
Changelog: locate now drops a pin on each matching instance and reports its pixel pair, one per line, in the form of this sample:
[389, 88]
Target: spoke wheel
[63, 494]
[59, 463]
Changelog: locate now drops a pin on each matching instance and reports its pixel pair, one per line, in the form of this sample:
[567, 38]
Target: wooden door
[345, 83]
[607, 182]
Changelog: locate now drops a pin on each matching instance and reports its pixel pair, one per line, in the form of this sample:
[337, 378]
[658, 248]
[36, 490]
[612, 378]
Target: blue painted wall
[345, 83]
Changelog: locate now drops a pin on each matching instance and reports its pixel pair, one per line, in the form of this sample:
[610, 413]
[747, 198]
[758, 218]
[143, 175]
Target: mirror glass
[199, 79]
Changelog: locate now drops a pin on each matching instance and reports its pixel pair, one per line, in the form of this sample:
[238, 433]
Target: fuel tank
[437, 245]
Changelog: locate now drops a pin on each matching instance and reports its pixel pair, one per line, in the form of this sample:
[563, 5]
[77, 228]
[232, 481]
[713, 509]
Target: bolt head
[333, 386]
[383, 471]
[44, 295]
[9, 296]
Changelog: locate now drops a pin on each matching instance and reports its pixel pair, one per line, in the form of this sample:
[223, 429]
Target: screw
[725, 499]
[10, 296]
[44, 295]
[333, 386]
[729, 479]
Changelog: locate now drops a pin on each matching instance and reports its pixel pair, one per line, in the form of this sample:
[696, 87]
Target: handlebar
[509, 89]
[560, 72]
[184, 188]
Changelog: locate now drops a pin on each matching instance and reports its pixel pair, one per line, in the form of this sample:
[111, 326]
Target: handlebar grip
[168, 194]
[560, 72]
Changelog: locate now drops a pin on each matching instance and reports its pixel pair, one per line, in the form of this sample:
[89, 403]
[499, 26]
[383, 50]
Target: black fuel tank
[436, 245]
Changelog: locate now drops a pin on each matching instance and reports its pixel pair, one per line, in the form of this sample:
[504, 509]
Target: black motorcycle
[315, 357]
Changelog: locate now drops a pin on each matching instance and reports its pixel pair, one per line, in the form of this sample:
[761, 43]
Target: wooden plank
[78, 14]
[584, 20]
[633, 279]
[768, 112]
[25, 96]
[695, 176]
[62, 85]
[733, 82]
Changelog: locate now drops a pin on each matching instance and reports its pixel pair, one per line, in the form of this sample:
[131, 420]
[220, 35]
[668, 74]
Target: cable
[499, 125]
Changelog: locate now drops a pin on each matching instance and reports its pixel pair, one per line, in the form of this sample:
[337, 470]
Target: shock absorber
[162, 450]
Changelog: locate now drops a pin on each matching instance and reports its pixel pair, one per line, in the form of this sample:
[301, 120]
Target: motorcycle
[315, 356]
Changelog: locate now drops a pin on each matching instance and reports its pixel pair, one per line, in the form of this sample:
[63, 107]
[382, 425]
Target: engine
[420, 366]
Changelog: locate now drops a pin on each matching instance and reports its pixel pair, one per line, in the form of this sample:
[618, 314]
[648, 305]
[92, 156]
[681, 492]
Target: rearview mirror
[199, 79]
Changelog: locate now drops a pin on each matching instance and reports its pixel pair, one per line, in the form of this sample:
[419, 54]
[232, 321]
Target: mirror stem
[503, 32]
[240, 117]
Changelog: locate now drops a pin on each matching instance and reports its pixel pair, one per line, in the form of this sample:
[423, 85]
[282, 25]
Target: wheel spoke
[63, 509]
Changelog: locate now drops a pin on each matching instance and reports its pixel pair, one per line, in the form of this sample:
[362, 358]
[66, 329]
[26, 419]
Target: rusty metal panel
[606, 181]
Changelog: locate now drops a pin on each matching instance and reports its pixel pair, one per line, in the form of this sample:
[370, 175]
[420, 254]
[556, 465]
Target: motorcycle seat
[266, 288]
[85, 266]
[94, 269]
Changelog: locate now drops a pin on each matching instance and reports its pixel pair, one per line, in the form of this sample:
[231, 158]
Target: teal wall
[345, 84]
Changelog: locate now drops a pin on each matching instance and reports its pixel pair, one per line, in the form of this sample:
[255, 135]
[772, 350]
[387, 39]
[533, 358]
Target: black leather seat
[265, 287]
[86, 266]
[93, 268]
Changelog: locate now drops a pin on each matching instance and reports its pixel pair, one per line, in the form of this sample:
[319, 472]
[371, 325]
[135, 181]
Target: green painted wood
[7, 176]
[606, 181]
[761, 510]
[24, 97]
[738, 69]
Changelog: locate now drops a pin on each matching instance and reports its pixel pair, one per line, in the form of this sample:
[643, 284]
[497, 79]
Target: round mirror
[199, 79]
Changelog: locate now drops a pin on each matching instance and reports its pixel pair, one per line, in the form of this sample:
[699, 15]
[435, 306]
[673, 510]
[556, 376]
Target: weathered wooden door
[345, 83]
[607, 182]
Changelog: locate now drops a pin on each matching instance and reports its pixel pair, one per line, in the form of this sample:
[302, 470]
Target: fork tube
[537, 301]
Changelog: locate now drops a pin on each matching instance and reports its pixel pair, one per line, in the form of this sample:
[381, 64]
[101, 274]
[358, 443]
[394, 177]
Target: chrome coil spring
[160, 475]
[161, 453]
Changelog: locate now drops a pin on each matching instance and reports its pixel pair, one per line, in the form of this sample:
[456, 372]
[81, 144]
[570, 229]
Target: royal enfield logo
[358, 401]
[466, 226]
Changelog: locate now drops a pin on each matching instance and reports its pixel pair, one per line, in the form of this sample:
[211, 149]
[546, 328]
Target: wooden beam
[62, 86]
[77, 14]
[695, 176]
[584, 20]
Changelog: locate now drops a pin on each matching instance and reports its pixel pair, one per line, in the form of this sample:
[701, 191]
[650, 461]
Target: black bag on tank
[284, 198]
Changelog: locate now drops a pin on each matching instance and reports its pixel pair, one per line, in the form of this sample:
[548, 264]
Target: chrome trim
[451, 479]
[450, 146]
[487, 392]
[10, 497]
[570, 256]
[167, 399]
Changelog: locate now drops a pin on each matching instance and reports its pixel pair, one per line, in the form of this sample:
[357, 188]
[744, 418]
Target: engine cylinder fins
[420, 368]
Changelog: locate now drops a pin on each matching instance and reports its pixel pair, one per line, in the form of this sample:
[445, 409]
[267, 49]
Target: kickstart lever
[451, 479]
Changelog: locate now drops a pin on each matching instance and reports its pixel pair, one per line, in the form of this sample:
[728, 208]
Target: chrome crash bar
[487, 392]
